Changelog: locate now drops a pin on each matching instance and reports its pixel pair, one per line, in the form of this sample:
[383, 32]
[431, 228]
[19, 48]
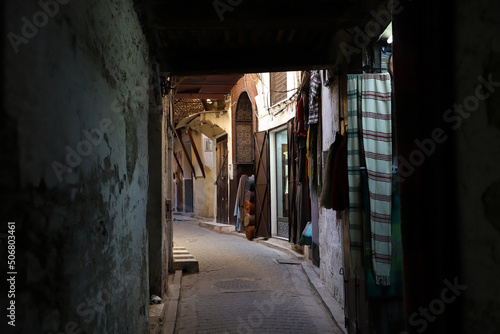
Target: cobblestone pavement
[241, 288]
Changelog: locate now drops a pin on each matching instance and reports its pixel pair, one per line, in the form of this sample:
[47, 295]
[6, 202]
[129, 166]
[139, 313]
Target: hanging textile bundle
[250, 232]
[326, 191]
[340, 186]
[314, 96]
[249, 220]
[301, 131]
[249, 208]
[249, 196]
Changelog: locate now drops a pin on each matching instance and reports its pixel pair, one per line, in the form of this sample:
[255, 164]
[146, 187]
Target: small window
[278, 87]
[208, 145]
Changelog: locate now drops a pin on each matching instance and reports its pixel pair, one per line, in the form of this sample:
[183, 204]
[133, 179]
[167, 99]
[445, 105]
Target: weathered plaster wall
[203, 187]
[154, 213]
[330, 224]
[224, 122]
[204, 195]
[168, 198]
[478, 135]
[81, 240]
[208, 155]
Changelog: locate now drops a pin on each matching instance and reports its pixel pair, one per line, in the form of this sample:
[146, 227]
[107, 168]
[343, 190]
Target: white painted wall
[204, 191]
[330, 223]
[203, 188]
[271, 117]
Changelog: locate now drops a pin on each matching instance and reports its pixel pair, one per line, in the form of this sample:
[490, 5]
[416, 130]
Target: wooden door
[292, 183]
[222, 182]
[262, 185]
[180, 196]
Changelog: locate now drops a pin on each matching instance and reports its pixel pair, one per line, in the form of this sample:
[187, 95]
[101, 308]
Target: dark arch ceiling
[206, 37]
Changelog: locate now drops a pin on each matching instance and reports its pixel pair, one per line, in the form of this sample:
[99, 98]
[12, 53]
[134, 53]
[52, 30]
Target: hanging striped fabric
[377, 142]
[354, 176]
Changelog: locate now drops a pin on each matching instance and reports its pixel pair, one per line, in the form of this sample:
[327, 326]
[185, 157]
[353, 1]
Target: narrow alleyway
[241, 288]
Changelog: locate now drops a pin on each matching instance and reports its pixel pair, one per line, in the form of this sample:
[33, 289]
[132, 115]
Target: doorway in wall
[222, 181]
[280, 187]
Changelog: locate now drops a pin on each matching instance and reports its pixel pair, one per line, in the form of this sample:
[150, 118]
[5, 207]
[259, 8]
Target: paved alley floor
[241, 288]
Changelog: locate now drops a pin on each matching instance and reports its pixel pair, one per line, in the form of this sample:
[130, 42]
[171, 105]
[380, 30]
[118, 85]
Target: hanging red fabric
[300, 118]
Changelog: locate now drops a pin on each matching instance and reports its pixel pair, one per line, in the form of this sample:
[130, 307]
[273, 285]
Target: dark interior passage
[88, 144]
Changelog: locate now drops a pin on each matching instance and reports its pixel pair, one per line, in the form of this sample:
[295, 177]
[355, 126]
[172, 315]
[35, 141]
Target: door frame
[274, 180]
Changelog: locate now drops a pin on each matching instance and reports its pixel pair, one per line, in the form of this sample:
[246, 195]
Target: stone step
[183, 256]
[187, 265]
[219, 228]
[181, 253]
[184, 261]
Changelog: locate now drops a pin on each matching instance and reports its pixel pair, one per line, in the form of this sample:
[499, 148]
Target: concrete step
[186, 265]
[180, 252]
[183, 256]
[184, 261]
[219, 228]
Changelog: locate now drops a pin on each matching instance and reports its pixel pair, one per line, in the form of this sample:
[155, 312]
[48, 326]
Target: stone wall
[478, 161]
[76, 178]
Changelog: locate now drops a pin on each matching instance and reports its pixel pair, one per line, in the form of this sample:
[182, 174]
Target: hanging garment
[377, 141]
[240, 201]
[302, 144]
[385, 56]
[315, 229]
[340, 185]
[326, 191]
[354, 176]
[302, 207]
[396, 287]
[250, 183]
[306, 237]
[236, 213]
[249, 208]
[314, 95]
[249, 196]
[301, 131]
[312, 149]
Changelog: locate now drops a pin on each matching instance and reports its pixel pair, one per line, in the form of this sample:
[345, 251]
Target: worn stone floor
[241, 288]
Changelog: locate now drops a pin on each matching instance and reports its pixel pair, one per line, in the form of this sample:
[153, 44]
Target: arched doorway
[243, 150]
